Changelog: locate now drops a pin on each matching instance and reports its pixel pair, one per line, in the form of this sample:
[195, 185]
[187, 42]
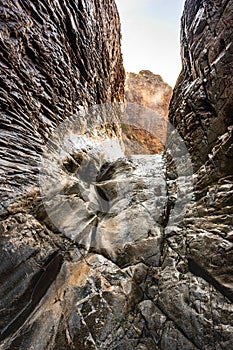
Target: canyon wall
[202, 101]
[150, 91]
[199, 250]
[56, 58]
[115, 253]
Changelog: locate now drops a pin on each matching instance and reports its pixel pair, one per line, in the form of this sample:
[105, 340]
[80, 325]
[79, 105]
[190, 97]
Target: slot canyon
[116, 190]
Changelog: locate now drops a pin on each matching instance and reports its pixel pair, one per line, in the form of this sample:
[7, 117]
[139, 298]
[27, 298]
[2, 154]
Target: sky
[151, 36]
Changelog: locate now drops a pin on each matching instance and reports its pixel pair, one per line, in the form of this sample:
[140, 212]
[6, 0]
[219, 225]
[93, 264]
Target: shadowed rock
[94, 261]
[198, 254]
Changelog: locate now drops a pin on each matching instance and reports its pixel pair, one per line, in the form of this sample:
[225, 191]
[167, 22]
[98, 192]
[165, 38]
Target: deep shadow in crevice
[198, 270]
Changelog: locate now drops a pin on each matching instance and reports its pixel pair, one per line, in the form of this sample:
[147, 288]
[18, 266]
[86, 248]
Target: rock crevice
[100, 250]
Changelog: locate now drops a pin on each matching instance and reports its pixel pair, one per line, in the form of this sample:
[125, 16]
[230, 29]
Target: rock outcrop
[56, 58]
[198, 254]
[150, 91]
[99, 250]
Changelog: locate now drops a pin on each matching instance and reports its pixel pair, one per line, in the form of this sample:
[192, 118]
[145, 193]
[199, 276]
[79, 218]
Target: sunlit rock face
[149, 90]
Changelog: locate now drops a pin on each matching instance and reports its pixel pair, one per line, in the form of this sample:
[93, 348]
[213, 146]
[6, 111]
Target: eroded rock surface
[198, 257]
[109, 252]
[56, 58]
[150, 91]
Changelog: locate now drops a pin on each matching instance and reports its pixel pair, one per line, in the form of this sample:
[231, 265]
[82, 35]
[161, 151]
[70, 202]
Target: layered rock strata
[100, 250]
[199, 251]
[56, 58]
[149, 90]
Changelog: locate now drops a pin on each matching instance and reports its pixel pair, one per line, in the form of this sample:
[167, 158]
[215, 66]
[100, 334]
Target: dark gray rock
[196, 286]
[56, 58]
[113, 253]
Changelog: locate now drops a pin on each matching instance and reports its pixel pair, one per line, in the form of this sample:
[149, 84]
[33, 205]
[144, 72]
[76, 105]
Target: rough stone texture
[150, 91]
[198, 254]
[202, 101]
[56, 57]
[114, 272]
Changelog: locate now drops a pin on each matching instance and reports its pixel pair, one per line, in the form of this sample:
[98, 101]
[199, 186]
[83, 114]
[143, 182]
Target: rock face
[149, 90]
[56, 58]
[99, 250]
[202, 101]
[201, 109]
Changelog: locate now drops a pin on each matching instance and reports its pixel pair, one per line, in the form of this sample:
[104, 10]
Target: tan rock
[150, 91]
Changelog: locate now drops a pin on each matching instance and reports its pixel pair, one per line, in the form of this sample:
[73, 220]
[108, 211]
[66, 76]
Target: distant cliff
[149, 90]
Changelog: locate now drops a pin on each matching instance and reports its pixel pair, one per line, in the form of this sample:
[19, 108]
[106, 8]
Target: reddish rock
[150, 91]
